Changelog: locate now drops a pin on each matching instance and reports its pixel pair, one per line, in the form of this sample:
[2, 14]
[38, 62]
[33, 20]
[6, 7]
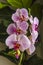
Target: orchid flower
[12, 28]
[34, 22]
[20, 42]
[34, 28]
[21, 18]
[20, 15]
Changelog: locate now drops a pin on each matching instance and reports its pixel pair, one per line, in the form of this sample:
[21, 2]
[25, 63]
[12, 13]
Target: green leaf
[20, 3]
[29, 11]
[5, 13]
[6, 22]
[36, 10]
[2, 5]
[26, 3]
[12, 52]
[15, 3]
[5, 17]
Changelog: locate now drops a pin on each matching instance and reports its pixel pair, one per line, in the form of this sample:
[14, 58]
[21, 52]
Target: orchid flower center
[16, 46]
[19, 31]
[22, 18]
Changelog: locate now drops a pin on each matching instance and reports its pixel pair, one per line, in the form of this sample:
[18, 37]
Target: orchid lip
[22, 18]
[17, 31]
[16, 45]
[36, 27]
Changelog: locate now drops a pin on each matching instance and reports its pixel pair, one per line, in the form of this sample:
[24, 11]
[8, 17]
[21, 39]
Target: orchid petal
[24, 12]
[31, 49]
[24, 42]
[15, 17]
[23, 26]
[10, 41]
[31, 19]
[34, 36]
[36, 21]
[11, 28]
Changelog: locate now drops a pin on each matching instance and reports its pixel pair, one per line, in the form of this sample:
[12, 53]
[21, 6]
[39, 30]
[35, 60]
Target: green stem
[21, 59]
[29, 11]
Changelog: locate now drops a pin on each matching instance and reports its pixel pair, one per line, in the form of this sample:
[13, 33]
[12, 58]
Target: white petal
[10, 40]
[34, 36]
[31, 49]
[24, 42]
[31, 19]
[36, 20]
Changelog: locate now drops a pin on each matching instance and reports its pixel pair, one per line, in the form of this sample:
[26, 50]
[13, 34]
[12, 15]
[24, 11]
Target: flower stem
[21, 59]
[29, 11]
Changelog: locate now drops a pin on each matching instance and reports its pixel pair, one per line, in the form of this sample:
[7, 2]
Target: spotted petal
[23, 26]
[19, 13]
[35, 24]
[11, 28]
[10, 41]
[24, 12]
[15, 17]
[24, 42]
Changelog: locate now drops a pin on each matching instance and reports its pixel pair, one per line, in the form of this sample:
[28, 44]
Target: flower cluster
[17, 31]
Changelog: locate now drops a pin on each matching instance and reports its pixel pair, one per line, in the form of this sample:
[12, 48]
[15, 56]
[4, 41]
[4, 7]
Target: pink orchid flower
[35, 22]
[20, 42]
[21, 18]
[12, 28]
[20, 15]
[34, 25]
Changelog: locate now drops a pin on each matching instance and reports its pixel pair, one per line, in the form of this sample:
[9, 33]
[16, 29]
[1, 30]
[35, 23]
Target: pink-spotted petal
[10, 41]
[24, 12]
[15, 17]
[36, 20]
[23, 25]
[35, 24]
[11, 28]
[24, 42]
